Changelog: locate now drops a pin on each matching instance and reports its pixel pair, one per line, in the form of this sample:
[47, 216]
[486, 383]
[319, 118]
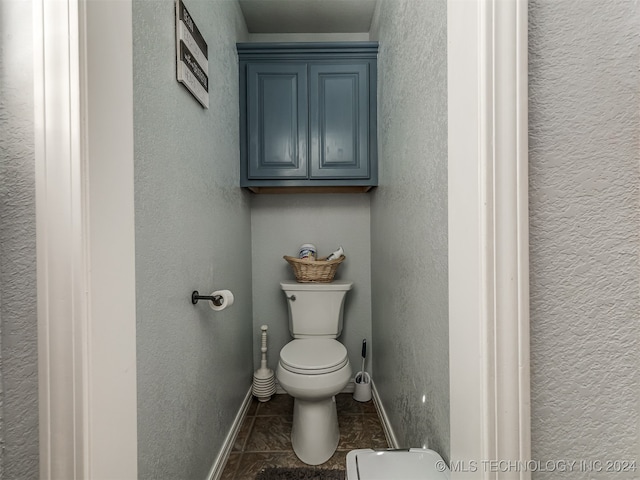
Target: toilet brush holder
[362, 391]
[264, 380]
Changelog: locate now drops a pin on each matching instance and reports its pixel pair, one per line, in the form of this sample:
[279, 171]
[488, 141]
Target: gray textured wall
[18, 321]
[584, 222]
[193, 232]
[409, 223]
[280, 224]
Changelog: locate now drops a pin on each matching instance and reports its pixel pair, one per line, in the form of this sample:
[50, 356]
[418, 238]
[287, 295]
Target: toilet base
[315, 433]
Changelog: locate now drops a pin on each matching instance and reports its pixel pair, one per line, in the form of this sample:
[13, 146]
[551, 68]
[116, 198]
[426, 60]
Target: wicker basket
[321, 270]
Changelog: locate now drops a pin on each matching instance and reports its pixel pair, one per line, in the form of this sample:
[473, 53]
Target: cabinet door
[277, 120]
[339, 116]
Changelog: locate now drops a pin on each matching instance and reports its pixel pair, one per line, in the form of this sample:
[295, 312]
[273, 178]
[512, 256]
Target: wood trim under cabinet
[325, 189]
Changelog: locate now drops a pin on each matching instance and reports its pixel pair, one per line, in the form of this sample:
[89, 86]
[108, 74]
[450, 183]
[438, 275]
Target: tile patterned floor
[263, 440]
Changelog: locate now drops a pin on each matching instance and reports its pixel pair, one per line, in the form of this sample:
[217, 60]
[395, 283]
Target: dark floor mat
[300, 474]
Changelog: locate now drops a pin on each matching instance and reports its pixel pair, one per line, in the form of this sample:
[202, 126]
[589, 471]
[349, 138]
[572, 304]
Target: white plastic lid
[313, 356]
[413, 464]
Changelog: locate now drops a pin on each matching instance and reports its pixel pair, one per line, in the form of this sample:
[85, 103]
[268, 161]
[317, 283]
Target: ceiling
[308, 16]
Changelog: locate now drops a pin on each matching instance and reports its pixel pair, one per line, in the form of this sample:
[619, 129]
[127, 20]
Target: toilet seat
[313, 356]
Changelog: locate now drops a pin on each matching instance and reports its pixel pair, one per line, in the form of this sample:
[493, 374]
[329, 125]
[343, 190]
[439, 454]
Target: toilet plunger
[264, 380]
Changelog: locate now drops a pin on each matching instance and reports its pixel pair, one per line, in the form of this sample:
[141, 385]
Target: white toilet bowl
[313, 371]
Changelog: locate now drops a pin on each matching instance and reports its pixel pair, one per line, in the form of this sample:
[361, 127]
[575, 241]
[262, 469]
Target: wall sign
[192, 66]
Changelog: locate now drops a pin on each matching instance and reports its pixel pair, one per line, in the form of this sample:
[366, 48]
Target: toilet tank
[315, 309]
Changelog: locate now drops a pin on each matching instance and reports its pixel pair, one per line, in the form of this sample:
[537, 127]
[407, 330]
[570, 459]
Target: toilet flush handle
[292, 298]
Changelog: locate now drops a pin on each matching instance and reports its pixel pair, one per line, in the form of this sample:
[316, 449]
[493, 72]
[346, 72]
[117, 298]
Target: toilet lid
[311, 356]
[411, 464]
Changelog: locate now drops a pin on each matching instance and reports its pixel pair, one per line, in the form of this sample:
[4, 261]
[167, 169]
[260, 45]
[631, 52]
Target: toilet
[314, 366]
[409, 464]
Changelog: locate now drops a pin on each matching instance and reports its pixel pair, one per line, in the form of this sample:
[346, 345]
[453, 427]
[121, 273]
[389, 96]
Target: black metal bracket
[216, 299]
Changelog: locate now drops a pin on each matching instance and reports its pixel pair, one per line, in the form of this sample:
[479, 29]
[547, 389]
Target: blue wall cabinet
[308, 116]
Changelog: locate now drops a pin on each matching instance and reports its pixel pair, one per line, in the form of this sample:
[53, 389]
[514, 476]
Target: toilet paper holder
[216, 299]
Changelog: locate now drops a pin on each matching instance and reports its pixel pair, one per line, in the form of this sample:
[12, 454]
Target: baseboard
[384, 419]
[218, 466]
[349, 387]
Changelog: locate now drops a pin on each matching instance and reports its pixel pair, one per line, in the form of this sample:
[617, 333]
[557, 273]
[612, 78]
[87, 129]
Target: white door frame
[488, 239]
[85, 237]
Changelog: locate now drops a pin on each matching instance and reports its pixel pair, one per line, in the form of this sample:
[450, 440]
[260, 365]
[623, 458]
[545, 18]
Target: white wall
[18, 320]
[584, 139]
[279, 225]
[409, 223]
[192, 233]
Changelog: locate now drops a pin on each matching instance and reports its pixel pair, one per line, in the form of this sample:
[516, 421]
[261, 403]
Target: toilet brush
[264, 380]
[362, 392]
